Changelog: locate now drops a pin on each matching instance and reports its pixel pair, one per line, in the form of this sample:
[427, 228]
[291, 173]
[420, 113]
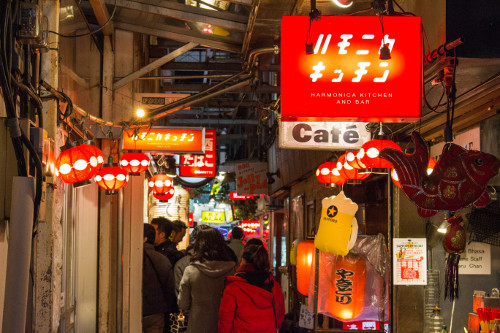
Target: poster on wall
[410, 261]
[476, 259]
[251, 178]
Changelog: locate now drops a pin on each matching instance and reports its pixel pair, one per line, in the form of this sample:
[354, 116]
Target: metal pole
[19, 255]
[390, 230]
[119, 272]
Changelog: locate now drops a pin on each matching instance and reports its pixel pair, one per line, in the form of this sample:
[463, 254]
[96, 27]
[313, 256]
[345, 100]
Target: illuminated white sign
[322, 135]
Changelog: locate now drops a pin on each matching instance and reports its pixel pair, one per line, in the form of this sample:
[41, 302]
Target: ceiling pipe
[171, 108]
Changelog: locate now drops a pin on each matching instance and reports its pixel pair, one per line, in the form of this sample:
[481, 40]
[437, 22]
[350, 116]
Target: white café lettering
[304, 133]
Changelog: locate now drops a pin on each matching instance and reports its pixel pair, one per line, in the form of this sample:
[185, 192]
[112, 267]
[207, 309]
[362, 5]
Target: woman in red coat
[252, 299]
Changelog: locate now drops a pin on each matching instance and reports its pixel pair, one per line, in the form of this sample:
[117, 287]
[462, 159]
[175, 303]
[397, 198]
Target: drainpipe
[119, 269]
[19, 255]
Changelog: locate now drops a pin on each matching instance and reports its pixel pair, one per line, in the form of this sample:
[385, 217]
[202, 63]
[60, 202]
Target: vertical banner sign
[200, 165]
[251, 178]
[410, 261]
[343, 77]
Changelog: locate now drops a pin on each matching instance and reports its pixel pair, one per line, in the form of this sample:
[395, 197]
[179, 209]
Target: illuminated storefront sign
[344, 79]
[167, 139]
[322, 135]
[213, 217]
[200, 165]
[233, 195]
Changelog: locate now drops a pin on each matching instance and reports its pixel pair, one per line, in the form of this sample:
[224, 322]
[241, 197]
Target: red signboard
[166, 139]
[344, 79]
[233, 195]
[200, 165]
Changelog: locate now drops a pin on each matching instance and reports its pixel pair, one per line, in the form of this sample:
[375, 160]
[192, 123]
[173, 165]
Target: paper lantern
[134, 163]
[77, 164]
[454, 243]
[346, 296]
[160, 184]
[327, 173]
[370, 150]
[111, 178]
[166, 196]
[305, 255]
[430, 168]
[350, 170]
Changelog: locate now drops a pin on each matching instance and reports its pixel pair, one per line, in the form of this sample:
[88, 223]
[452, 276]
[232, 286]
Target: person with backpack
[252, 300]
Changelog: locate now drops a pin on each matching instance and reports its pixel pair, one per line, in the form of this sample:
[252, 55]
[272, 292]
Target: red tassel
[451, 277]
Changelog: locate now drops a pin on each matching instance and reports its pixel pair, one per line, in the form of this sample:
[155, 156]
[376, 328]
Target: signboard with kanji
[200, 165]
[177, 140]
[154, 100]
[342, 78]
[410, 261]
[213, 217]
[251, 178]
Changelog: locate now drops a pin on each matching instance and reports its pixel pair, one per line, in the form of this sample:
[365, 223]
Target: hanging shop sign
[322, 135]
[343, 78]
[476, 259]
[200, 165]
[154, 100]
[251, 178]
[213, 217]
[187, 140]
[233, 195]
[410, 261]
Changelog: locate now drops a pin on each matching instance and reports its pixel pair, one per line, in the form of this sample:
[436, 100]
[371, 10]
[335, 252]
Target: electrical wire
[90, 32]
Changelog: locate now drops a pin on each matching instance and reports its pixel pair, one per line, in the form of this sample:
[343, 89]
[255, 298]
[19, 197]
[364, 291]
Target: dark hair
[149, 233]
[257, 256]
[178, 225]
[254, 241]
[237, 233]
[164, 225]
[210, 245]
[196, 230]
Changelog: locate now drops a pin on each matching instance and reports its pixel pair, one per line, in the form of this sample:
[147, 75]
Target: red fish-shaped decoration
[458, 180]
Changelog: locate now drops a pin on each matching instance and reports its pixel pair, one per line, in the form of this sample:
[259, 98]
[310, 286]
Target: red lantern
[166, 196]
[454, 243]
[347, 288]
[160, 184]
[327, 173]
[134, 163]
[349, 171]
[111, 178]
[395, 177]
[76, 165]
[370, 150]
[305, 255]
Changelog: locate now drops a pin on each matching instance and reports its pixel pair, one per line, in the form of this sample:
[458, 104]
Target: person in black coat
[158, 297]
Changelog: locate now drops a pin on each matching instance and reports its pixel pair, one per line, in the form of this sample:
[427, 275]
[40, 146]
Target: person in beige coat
[202, 283]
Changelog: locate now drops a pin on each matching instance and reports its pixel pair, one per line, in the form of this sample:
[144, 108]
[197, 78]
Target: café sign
[323, 135]
[174, 140]
[343, 77]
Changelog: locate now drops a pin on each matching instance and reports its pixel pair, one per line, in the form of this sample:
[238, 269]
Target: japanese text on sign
[410, 261]
[200, 165]
[251, 178]
[344, 73]
[165, 139]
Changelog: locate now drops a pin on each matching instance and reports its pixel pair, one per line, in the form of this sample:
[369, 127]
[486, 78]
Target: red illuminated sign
[167, 139]
[344, 79]
[200, 165]
[233, 195]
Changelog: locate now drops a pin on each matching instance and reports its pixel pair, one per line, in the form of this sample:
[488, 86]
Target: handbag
[178, 322]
